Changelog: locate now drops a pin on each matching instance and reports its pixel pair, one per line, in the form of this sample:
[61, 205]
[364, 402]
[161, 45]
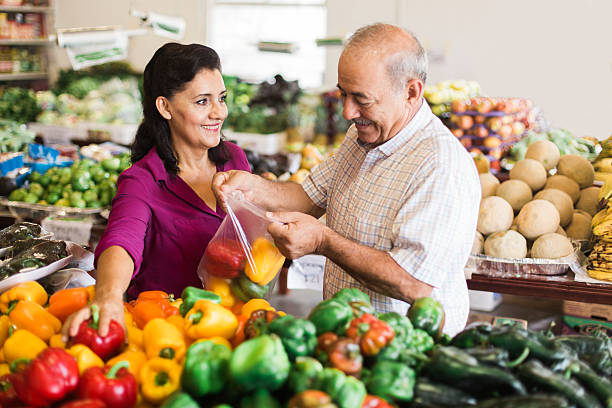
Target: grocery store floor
[538, 312]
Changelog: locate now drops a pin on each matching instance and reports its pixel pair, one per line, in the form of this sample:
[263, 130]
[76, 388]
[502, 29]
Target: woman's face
[198, 111]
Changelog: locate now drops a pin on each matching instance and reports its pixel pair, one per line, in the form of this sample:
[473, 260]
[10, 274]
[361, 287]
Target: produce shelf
[20, 76]
[26, 9]
[39, 41]
[557, 287]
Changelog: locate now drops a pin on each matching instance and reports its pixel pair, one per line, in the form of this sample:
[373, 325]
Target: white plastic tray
[43, 235]
[34, 274]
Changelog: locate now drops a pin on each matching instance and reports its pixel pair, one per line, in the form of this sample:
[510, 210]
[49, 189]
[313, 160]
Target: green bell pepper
[191, 295]
[261, 398]
[260, 363]
[180, 400]
[346, 391]
[427, 314]
[420, 341]
[536, 374]
[206, 368]
[454, 366]
[299, 336]
[348, 295]
[391, 381]
[401, 325]
[245, 289]
[303, 374]
[331, 315]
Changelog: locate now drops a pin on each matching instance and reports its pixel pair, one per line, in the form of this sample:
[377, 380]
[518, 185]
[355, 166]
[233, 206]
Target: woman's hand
[111, 308]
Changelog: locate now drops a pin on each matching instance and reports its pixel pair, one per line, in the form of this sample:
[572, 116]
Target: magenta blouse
[163, 224]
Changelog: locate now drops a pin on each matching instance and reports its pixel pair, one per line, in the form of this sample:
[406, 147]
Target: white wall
[558, 53]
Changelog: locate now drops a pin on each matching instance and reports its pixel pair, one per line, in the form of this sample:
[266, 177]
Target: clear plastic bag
[242, 253]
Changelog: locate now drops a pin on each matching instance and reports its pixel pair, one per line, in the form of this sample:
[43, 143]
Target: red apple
[505, 131]
[481, 131]
[466, 122]
[466, 142]
[459, 105]
[484, 106]
[457, 132]
[479, 119]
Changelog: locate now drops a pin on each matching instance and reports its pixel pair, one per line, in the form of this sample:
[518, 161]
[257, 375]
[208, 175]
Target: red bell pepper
[84, 403]
[8, 396]
[371, 333]
[105, 347]
[115, 385]
[372, 401]
[50, 377]
[224, 258]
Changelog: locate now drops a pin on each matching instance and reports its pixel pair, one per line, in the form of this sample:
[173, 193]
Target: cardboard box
[584, 318]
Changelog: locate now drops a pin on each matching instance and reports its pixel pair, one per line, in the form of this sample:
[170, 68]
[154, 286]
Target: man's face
[370, 99]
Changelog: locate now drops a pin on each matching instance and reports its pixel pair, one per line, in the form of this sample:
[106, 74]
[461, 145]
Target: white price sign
[307, 273]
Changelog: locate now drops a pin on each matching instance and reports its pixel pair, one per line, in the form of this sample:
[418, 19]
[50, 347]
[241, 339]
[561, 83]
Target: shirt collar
[419, 121]
[155, 165]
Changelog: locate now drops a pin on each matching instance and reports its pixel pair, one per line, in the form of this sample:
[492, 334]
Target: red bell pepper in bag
[8, 396]
[48, 378]
[224, 258]
[115, 385]
[105, 347]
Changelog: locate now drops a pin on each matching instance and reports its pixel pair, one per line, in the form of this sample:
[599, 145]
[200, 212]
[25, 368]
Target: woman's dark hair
[169, 70]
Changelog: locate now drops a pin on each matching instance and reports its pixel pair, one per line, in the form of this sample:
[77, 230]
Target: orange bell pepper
[255, 304]
[151, 305]
[221, 287]
[267, 262]
[91, 292]
[67, 301]
[57, 341]
[30, 290]
[5, 325]
[239, 336]
[32, 317]
[237, 307]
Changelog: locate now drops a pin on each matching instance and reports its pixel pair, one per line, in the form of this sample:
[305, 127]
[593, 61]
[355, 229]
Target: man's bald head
[401, 50]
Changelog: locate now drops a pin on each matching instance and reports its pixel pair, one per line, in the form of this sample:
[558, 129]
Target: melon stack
[548, 199]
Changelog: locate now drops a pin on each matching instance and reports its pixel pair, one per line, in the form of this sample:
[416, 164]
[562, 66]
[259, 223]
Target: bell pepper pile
[203, 350]
[239, 274]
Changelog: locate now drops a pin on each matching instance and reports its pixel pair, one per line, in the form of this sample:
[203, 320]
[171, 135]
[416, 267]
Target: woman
[165, 213]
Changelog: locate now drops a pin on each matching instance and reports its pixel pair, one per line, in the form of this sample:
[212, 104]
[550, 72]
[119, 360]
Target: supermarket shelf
[564, 288]
[42, 41]
[26, 9]
[23, 76]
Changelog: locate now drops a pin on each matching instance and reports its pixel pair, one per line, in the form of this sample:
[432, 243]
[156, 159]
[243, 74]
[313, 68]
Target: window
[236, 27]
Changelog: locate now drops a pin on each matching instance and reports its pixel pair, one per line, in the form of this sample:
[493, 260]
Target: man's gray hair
[409, 63]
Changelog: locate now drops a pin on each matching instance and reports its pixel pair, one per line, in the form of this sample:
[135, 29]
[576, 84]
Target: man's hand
[223, 183]
[298, 235]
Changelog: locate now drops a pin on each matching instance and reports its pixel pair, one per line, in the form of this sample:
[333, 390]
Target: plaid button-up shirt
[416, 197]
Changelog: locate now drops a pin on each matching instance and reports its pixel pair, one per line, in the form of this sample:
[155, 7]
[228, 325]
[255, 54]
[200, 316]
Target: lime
[52, 198]
[90, 195]
[31, 198]
[36, 189]
[34, 176]
[94, 204]
[18, 194]
[45, 180]
[43, 202]
[63, 202]
[78, 203]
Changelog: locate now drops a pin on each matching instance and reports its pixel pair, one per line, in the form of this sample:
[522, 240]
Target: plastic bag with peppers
[242, 252]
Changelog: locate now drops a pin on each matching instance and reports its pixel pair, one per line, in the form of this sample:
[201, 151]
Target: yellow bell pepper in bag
[57, 341]
[163, 339]
[31, 316]
[135, 359]
[222, 288]
[85, 357]
[207, 319]
[31, 291]
[267, 261]
[22, 344]
[159, 377]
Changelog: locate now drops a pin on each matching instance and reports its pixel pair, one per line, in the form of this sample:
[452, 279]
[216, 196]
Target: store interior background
[555, 52]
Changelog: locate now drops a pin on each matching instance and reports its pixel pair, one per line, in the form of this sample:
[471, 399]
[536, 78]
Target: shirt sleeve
[128, 221]
[435, 226]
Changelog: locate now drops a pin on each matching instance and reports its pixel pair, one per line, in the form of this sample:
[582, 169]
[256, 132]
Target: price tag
[77, 230]
[307, 273]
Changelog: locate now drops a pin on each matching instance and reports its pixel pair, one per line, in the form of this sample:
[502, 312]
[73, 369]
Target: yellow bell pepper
[176, 303]
[207, 319]
[255, 304]
[31, 316]
[22, 344]
[85, 357]
[5, 324]
[31, 291]
[135, 338]
[129, 319]
[163, 339]
[135, 359]
[57, 341]
[2, 357]
[159, 378]
[221, 287]
[179, 322]
[4, 369]
[91, 293]
[217, 340]
[267, 262]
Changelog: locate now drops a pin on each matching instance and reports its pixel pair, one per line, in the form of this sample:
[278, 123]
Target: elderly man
[401, 194]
